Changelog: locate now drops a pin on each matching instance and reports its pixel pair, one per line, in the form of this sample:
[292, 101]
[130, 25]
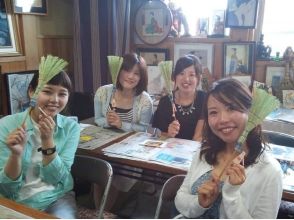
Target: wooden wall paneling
[30, 42]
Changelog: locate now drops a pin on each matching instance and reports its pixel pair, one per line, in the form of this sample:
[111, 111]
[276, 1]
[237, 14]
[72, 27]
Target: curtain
[101, 28]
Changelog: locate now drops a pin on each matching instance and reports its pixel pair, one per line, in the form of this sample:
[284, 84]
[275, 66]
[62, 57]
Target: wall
[41, 35]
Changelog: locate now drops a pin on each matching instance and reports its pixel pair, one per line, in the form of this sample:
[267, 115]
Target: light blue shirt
[57, 172]
[142, 109]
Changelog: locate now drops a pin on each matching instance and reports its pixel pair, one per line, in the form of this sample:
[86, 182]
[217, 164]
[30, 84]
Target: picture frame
[217, 27]
[17, 85]
[239, 58]
[153, 56]
[274, 75]
[202, 27]
[9, 34]
[153, 22]
[241, 14]
[37, 7]
[205, 52]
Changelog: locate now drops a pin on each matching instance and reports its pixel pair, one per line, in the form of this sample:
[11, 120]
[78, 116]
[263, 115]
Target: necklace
[186, 110]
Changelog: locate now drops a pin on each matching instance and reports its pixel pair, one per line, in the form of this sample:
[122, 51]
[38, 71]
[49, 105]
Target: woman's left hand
[236, 174]
[46, 126]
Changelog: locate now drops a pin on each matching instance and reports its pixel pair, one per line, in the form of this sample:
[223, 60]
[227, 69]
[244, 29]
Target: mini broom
[48, 68]
[114, 63]
[262, 104]
[166, 71]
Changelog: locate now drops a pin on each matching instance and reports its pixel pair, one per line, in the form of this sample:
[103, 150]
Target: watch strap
[48, 151]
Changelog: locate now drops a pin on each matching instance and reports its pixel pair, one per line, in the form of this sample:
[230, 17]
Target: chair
[278, 138]
[286, 209]
[169, 191]
[96, 171]
[81, 104]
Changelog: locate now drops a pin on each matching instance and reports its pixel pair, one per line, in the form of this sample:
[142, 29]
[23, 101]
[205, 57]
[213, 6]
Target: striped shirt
[126, 115]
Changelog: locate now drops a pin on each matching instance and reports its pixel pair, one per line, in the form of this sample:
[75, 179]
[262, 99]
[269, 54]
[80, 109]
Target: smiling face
[52, 100]
[129, 79]
[225, 121]
[187, 80]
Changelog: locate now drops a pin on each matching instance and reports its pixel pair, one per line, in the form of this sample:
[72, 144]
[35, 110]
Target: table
[159, 173]
[11, 209]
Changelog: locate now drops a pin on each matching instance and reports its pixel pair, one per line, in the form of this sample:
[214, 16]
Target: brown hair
[129, 61]
[235, 94]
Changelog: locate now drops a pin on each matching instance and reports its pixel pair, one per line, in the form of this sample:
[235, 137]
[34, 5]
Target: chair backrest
[169, 191]
[278, 138]
[94, 170]
[81, 104]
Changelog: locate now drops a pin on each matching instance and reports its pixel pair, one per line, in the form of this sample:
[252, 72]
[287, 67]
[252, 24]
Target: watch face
[153, 22]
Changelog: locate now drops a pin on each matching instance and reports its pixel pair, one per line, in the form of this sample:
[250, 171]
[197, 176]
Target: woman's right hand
[208, 192]
[16, 141]
[173, 128]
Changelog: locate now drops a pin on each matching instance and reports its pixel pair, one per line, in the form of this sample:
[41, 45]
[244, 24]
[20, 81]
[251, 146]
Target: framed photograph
[243, 79]
[217, 21]
[241, 13]
[17, 86]
[38, 7]
[274, 75]
[9, 35]
[153, 22]
[288, 99]
[205, 52]
[153, 56]
[239, 59]
[202, 27]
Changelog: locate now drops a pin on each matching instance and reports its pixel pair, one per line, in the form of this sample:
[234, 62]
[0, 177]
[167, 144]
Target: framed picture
[205, 52]
[274, 75]
[9, 37]
[153, 22]
[288, 98]
[217, 27]
[17, 86]
[38, 7]
[202, 27]
[241, 13]
[243, 79]
[239, 59]
[153, 56]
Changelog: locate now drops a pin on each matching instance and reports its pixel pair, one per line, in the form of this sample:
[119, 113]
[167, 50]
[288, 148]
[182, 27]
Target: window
[278, 28]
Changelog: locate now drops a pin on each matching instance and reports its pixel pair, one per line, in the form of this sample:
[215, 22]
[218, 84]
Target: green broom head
[263, 103]
[166, 69]
[48, 68]
[114, 63]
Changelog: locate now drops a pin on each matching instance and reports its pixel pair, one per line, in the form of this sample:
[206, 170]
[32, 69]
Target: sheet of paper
[7, 213]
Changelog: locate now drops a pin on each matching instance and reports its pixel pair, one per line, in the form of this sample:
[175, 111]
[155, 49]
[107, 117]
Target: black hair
[61, 79]
[230, 92]
[186, 61]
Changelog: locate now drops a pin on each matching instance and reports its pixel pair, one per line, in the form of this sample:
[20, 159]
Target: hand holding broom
[48, 68]
[262, 104]
[114, 63]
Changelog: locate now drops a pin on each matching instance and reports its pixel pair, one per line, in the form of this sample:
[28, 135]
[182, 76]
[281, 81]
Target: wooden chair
[95, 171]
[169, 191]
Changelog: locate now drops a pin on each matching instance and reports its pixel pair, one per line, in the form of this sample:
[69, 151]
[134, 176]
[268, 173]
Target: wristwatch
[48, 151]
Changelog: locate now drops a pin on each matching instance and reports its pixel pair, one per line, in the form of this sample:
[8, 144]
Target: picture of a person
[241, 12]
[233, 61]
[153, 27]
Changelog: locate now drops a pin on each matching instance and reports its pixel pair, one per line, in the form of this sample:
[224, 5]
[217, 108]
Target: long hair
[231, 93]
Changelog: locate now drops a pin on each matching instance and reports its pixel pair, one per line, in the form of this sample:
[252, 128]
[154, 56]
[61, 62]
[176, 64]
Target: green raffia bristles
[48, 68]
[262, 104]
[114, 63]
[166, 68]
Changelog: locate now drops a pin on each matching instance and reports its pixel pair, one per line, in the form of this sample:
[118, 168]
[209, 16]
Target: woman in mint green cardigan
[36, 158]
